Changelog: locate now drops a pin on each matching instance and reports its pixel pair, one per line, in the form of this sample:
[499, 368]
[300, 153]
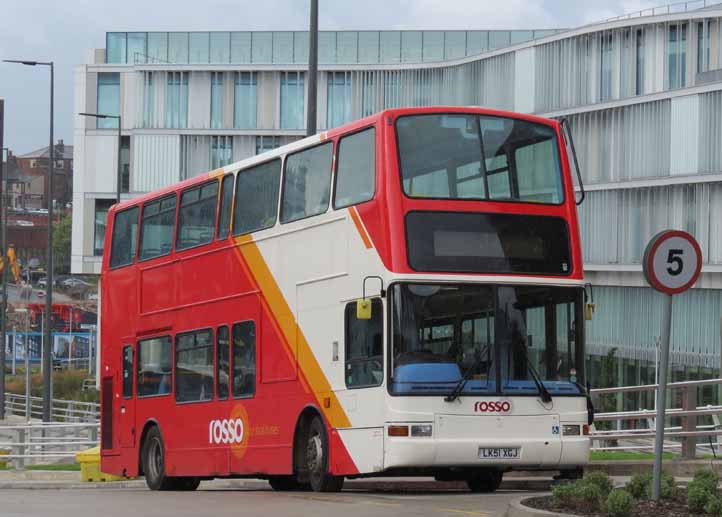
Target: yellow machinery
[14, 267]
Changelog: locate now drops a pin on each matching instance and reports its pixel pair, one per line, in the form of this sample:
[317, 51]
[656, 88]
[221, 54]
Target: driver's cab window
[364, 346]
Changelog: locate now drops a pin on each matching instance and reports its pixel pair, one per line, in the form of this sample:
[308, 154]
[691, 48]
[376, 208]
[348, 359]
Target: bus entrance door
[127, 402]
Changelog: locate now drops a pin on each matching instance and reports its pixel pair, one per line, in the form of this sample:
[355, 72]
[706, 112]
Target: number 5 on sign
[672, 262]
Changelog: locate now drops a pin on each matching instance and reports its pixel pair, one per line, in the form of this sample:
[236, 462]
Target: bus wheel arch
[311, 452]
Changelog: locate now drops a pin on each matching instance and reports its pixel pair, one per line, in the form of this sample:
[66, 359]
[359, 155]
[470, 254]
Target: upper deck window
[256, 198]
[156, 234]
[307, 183]
[197, 215]
[356, 172]
[465, 156]
[125, 237]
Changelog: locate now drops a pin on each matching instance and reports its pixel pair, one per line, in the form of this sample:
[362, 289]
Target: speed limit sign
[672, 261]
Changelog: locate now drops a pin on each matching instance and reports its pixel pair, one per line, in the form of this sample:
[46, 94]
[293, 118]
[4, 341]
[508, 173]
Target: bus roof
[320, 137]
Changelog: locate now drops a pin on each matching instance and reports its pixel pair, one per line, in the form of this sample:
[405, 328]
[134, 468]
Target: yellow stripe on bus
[288, 325]
[215, 173]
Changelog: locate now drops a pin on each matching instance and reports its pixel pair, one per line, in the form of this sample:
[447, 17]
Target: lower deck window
[244, 359]
[155, 372]
[194, 366]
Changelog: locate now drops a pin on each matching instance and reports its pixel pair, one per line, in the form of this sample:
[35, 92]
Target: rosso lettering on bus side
[225, 431]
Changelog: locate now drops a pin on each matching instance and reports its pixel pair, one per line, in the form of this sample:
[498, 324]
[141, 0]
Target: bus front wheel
[316, 455]
[154, 466]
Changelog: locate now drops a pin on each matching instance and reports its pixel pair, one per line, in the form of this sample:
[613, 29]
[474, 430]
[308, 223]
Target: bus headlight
[570, 430]
[421, 431]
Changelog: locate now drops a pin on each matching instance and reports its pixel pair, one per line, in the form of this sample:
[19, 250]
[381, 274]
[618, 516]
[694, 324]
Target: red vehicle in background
[399, 295]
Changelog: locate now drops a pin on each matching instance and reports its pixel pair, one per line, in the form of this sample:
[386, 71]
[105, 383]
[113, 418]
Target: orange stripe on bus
[288, 325]
[360, 228]
[215, 173]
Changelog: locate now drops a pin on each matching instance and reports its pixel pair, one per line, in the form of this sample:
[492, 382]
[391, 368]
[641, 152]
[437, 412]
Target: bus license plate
[499, 453]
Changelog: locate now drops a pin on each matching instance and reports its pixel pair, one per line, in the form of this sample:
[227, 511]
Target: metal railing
[45, 442]
[676, 7]
[642, 438]
[61, 410]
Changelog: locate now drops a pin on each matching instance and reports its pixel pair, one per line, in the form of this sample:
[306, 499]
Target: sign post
[672, 263]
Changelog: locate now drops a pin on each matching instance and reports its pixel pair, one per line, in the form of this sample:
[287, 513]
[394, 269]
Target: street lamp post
[47, 344]
[120, 138]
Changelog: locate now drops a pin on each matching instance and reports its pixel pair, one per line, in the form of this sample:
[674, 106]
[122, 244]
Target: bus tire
[484, 481]
[153, 458]
[316, 455]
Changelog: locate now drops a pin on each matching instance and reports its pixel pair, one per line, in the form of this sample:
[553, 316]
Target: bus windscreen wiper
[543, 391]
[451, 397]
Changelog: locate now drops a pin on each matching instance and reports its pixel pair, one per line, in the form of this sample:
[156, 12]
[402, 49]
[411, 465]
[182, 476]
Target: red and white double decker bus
[402, 295]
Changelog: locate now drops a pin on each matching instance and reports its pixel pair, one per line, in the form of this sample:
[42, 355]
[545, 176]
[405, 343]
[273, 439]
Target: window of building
[194, 366]
[125, 163]
[176, 100]
[137, 51]
[198, 47]
[216, 100]
[356, 170]
[339, 99]
[392, 90]
[256, 198]
[244, 359]
[220, 47]
[292, 100]
[156, 235]
[127, 372]
[369, 104]
[677, 55]
[267, 143]
[157, 47]
[306, 183]
[125, 237]
[115, 45]
[223, 377]
[148, 100]
[108, 99]
[221, 151]
[244, 101]
[639, 90]
[390, 47]
[178, 47]
[101, 220]
[155, 367]
[368, 47]
[364, 347]
[197, 215]
[224, 213]
[703, 46]
[605, 75]
[433, 46]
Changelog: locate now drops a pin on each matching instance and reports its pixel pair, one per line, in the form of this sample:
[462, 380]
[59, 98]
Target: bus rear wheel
[316, 454]
[153, 459]
[484, 481]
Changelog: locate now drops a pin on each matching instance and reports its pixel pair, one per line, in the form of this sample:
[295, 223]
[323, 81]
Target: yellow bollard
[90, 467]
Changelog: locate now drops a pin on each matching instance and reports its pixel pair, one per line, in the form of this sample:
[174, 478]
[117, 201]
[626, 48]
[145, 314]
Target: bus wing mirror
[363, 309]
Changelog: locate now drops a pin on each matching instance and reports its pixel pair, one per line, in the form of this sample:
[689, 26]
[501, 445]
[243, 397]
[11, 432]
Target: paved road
[263, 502]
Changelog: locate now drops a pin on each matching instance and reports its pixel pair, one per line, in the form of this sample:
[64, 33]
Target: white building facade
[643, 96]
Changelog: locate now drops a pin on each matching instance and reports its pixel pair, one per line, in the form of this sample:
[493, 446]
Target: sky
[64, 32]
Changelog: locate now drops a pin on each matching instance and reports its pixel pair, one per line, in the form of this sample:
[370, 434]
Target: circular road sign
[672, 261]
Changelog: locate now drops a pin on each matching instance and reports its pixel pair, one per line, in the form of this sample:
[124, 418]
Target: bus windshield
[467, 156]
[499, 337]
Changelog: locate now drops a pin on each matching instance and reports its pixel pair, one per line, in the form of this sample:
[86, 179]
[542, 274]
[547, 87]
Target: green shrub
[707, 478]
[698, 496]
[600, 480]
[564, 494]
[620, 503]
[668, 489]
[640, 486]
[713, 506]
[578, 494]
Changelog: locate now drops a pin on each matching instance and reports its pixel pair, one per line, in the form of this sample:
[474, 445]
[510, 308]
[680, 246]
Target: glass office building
[643, 96]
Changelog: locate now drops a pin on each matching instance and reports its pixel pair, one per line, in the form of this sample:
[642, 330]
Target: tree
[61, 244]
